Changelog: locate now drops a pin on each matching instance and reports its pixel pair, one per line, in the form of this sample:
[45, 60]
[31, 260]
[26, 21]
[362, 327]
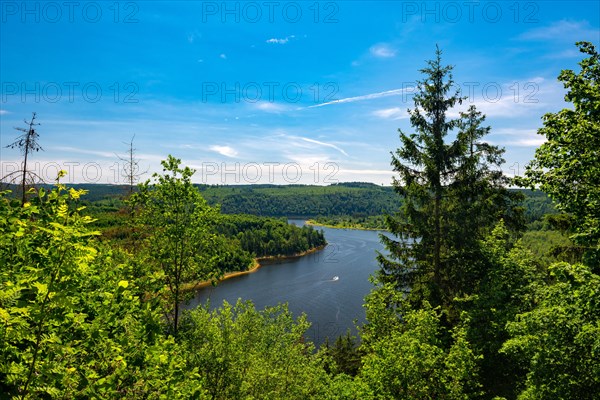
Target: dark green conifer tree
[453, 193]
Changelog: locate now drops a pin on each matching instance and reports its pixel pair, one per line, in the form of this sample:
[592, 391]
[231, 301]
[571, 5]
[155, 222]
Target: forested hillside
[244, 236]
[355, 200]
[303, 201]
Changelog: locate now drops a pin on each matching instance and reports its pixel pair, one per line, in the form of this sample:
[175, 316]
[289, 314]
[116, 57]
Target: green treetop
[566, 166]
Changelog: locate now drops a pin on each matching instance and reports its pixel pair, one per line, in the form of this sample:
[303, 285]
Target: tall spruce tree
[424, 163]
[452, 195]
[477, 198]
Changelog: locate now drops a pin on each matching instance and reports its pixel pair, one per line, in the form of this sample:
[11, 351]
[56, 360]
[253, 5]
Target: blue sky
[271, 92]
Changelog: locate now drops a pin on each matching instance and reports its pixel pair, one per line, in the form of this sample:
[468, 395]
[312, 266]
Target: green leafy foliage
[178, 243]
[70, 324]
[242, 353]
[345, 355]
[550, 246]
[506, 289]
[558, 342]
[406, 356]
[566, 165]
[536, 205]
[75, 323]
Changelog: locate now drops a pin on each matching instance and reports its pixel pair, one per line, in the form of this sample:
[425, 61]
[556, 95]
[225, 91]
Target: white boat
[335, 278]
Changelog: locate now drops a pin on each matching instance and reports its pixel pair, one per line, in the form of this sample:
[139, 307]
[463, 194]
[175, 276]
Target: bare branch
[131, 166]
[27, 143]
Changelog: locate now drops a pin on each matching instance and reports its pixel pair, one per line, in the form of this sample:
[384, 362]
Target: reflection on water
[308, 284]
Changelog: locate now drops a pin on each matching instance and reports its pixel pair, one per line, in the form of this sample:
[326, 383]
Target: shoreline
[256, 264]
[311, 222]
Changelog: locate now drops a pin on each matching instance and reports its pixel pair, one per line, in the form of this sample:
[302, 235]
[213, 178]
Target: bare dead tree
[131, 166]
[27, 143]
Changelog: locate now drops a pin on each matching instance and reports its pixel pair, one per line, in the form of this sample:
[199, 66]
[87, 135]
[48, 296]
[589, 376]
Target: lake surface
[307, 284]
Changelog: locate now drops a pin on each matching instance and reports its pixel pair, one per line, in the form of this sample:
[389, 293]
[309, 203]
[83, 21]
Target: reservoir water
[308, 285]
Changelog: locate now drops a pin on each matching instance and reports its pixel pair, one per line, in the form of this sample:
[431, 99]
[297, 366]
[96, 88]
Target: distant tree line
[341, 200]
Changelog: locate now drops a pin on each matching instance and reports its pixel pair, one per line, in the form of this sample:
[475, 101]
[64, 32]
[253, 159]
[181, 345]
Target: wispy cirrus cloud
[284, 141]
[569, 53]
[4, 112]
[75, 150]
[148, 157]
[513, 99]
[371, 96]
[324, 144]
[518, 137]
[226, 151]
[563, 30]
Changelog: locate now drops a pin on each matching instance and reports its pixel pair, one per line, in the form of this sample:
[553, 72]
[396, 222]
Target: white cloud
[563, 30]
[333, 146]
[292, 145]
[519, 98]
[223, 56]
[518, 137]
[391, 113]
[270, 107]
[76, 150]
[4, 112]
[155, 158]
[515, 132]
[532, 142]
[505, 106]
[382, 50]
[569, 53]
[368, 172]
[280, 41]
[307, 161]
[78, 171]
[224, 150]
[394, 92]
